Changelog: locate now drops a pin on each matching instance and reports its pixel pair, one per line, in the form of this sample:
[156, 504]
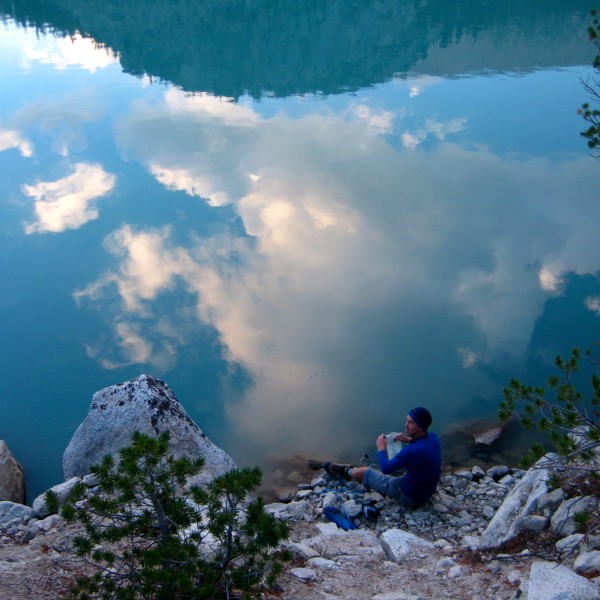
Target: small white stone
[446, 563]
[304, 574]
[456, 571]
[488, 512]
[322, 563]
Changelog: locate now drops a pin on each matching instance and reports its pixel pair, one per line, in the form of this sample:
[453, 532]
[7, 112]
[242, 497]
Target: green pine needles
[590, 114]
[571, 421]
[147, 534]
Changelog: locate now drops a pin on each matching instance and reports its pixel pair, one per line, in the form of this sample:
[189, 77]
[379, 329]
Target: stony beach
[496, 532]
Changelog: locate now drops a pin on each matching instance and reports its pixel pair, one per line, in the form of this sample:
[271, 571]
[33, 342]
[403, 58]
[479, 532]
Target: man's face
[411, 428]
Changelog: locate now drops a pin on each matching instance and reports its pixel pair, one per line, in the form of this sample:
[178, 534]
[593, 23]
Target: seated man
[422, 459]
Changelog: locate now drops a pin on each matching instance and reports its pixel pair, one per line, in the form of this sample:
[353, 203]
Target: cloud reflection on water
[10, 138]
[68, 52]
[343, 226]
[69, 202]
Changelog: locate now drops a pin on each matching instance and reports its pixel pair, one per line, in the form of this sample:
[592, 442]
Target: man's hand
[381, 442]
[402, 437]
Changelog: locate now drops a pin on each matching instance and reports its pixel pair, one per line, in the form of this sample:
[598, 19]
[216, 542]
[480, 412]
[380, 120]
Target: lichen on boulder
[145, 404]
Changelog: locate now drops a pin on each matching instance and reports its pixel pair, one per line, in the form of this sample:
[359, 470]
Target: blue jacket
[422, 460]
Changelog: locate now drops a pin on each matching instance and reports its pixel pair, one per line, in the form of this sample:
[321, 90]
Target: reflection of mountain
[234, 46]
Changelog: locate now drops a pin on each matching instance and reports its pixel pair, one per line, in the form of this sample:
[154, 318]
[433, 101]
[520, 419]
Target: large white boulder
[333, 542]
[563, 520]
[147, 405]
[398, 544]
[13, 514]
[511, 518]
[552, 581]
[12, 480]
[62, 491]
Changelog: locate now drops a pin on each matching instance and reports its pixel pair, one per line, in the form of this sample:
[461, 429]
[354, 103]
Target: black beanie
[421, 416]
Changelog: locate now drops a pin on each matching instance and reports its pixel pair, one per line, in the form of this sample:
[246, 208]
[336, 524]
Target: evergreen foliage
[592, 115]
[151, 536]
[571, 420]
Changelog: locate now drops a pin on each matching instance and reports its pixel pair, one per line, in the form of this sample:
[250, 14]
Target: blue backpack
[339, 517]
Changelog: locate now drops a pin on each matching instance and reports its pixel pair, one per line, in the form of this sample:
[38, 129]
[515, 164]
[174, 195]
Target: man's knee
[358, 473]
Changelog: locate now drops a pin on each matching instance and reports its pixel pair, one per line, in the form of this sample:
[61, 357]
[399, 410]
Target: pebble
[304, 574]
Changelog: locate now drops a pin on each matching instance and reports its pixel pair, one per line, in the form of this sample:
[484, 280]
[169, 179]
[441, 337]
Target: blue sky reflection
[343, 224]
[348, 254]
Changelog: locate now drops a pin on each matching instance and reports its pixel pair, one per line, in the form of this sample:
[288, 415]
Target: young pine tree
[149, 535]
[572, 422]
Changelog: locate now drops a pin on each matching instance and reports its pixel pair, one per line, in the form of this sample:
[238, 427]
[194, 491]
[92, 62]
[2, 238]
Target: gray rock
[352, 508]
[295, 477]
[478, 472]
[445, 563]
[279, 510]
[459, 483]
[420, 514]
[514, 576]
[397, 544]
[472, 542]
[498, 472]
[333, 542]
[322, 563]
[456, 571]
[449, 502]
[568, 545]
[462, 520]
[46, 524]
[551, 501]
[62, 490]
[147, 405]
[372, 497]
[489, 437]
[299, 549]
[399, 595]
[298, 510]
[534, 522]
[520, 502]
[304, 574]
[13, 514]
[319, 480]
[90, 480]
[488, 511]
[12, 479]
[552, 581]
[302, 494]
[593, 542]
[28, 534]
[588, 564]
[562, 521]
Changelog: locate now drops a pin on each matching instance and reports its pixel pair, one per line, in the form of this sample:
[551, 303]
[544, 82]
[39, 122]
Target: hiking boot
[331, 468]
[316, 464]
[338, 470]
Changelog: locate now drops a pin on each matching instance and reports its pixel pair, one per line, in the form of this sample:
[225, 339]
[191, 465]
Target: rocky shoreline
[461, 509]
[499, 532]
[503, 520]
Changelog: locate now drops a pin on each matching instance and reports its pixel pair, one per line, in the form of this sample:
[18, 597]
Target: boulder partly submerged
[147, 405]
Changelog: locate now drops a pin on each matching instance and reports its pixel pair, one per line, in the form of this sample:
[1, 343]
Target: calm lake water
[305, 217]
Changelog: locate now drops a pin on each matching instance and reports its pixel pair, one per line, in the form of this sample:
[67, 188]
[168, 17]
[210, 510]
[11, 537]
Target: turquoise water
[305, 219]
